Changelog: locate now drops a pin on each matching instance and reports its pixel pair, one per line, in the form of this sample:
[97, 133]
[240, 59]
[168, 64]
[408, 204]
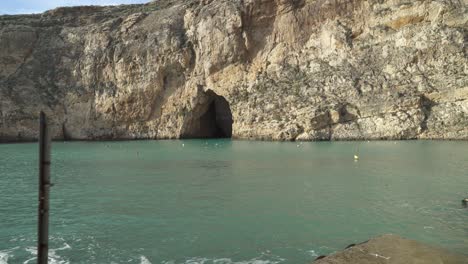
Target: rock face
[255, 69]
[392, 249]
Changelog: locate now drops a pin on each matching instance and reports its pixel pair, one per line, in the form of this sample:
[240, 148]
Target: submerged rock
[392, 249]
[282, 70]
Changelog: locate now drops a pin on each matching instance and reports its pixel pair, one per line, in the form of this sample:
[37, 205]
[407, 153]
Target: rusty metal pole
[44, 185]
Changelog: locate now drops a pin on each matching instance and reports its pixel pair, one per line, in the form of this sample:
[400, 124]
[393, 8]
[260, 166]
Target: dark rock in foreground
[392, 249]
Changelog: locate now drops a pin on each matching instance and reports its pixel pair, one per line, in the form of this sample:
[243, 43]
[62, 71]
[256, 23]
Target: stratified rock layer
[392, 249]
[288, 69]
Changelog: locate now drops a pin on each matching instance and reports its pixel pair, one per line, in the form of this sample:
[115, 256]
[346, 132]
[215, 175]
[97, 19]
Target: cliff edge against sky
[254, 69]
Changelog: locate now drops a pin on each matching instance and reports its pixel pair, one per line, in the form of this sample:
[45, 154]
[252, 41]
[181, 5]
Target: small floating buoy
[465, 202]
[356, 157]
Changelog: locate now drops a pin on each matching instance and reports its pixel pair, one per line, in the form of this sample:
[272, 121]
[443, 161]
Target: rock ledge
[392, 249]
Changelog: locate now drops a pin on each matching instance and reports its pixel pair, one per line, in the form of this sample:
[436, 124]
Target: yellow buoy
[356, 157]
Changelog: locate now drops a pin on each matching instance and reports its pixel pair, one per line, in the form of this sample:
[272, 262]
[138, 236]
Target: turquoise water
[222, 201]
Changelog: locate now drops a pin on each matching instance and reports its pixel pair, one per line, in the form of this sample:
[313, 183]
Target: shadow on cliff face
[210, 120]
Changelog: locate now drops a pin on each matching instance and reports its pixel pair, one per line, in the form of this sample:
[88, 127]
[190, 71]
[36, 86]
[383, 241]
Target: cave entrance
[214, 120]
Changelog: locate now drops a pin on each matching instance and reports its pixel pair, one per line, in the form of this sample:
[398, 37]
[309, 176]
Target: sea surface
[223, 201]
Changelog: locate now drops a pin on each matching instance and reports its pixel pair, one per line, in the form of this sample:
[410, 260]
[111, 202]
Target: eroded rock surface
[288, 69]
[392, 249]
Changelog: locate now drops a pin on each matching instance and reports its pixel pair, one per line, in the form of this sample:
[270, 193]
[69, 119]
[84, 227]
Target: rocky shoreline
[392, 249]
[255, 69]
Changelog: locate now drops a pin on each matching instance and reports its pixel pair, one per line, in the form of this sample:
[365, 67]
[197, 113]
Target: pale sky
[38, 6]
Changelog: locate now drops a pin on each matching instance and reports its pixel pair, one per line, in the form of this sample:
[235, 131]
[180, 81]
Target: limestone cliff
[257, 69]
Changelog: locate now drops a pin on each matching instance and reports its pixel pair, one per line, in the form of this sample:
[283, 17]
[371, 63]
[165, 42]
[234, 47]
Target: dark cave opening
[215, 120]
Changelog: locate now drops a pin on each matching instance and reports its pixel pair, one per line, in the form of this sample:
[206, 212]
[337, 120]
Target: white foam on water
[53, 258]
[199, 260]
[4, 257]
[312, 253]
[65, 246]
[6, 254]
[144, 260]
[29, 260]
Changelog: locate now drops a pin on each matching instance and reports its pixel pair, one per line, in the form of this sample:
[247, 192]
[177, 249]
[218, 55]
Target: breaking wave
[199, 260]
[54, 257]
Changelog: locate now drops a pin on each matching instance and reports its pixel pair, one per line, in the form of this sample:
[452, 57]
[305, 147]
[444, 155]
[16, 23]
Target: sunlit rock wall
[289, 69]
